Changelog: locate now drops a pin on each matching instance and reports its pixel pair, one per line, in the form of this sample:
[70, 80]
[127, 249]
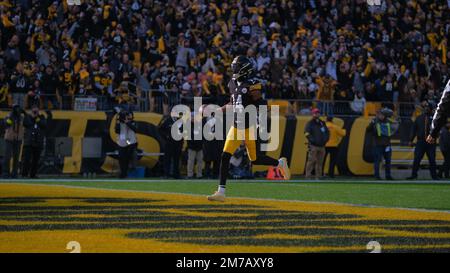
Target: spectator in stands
[67, 80]
[50, 88]
[12, 55]
[43, 54]
[35, 125]
[444, 143]
[383, 52]
[13, 142]
[34, 95]
[19, 85]
[4, 91]
[317, 134]
[212, 89]
[331, 148]
[358, 104]
[421, 129]
[185, 55]
[325, 94]
[382, 128]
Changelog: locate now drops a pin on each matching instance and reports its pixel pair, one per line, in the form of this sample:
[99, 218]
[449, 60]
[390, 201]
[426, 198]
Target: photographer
[35, 125]
[13, 141]
[382, 129]
[126, 130]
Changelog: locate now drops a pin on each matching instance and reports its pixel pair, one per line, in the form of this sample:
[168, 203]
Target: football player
[441, 115]
[244, 91]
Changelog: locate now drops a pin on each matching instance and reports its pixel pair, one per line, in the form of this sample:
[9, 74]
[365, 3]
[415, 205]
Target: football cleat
[284, 168]
[217, 196]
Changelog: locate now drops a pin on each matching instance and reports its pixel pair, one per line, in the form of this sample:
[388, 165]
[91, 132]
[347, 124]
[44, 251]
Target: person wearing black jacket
[317, 133]
[382, 129]
[127, 141]
[421, 130]
[50, 87]
[34, 125]
[441, 115]
[444, 143]
[172, 147]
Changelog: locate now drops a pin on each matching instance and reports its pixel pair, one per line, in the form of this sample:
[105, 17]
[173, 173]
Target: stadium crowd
[306, 49]
[336, 55]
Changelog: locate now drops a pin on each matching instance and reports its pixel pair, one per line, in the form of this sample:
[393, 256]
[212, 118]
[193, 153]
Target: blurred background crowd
[147, 55]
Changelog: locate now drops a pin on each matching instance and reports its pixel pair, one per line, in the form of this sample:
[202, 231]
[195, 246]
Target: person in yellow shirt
[325, 94]
[331, 148]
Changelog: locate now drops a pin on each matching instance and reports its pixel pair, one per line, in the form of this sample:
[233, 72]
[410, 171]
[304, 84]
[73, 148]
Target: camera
[17, 110]
[123, 116]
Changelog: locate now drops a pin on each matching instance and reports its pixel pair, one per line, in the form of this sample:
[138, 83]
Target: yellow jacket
[336, 134]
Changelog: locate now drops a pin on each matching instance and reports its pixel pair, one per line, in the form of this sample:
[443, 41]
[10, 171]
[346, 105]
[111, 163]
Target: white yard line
[239, 198]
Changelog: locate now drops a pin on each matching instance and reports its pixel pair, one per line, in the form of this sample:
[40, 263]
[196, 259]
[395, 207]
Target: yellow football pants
[236, 136]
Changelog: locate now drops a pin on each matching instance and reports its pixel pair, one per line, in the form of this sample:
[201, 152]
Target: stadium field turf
[174, 216]
[403, 194]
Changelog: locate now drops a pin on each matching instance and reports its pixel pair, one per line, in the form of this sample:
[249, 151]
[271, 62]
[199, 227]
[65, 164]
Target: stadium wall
[355, 154]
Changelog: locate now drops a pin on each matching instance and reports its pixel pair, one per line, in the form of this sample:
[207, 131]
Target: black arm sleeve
[442, 112]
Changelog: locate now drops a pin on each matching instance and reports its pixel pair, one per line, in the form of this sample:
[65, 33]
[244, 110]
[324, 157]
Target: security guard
[382, 130]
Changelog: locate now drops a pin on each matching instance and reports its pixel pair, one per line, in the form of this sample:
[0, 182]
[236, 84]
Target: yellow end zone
[40, 218]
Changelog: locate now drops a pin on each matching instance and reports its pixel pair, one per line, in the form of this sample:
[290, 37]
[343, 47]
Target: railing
[141, 101]
[344, 109]
[159, 101]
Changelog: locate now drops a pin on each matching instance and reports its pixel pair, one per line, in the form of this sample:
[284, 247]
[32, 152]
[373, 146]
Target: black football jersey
[242, 95]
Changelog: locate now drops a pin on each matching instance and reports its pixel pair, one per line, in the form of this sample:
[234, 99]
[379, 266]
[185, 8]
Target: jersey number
[237, 102]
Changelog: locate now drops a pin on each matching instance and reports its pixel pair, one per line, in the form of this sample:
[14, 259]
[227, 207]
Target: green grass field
[422, 195]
